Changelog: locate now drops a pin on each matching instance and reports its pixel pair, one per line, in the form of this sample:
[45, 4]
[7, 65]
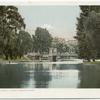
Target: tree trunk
[6, 57]
[88, 59]
[93, 59]
[11, 56]
[20, 56]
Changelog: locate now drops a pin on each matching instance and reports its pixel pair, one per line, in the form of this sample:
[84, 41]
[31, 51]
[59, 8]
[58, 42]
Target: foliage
[10, 33]
[88, 29]
[60, 44]
[42, 40]
[24, 42]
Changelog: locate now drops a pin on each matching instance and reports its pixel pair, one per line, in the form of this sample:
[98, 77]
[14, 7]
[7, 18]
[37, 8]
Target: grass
[96, 62]
[2, 59]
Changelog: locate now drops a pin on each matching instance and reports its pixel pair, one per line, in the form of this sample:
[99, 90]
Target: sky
[60, 21]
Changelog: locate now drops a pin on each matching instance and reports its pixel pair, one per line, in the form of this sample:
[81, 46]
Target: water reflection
[90, 76]
[68, 66]
[41, 76]
[11, 76]
[49, 76]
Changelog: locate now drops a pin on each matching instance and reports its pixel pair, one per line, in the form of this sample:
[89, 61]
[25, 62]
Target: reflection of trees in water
[41, 76]
[69, 66]
[90, 76]
[11, 75]
[27, 69]
[54, 66]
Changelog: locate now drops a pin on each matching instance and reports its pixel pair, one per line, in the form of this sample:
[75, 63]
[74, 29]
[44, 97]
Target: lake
[44, 75]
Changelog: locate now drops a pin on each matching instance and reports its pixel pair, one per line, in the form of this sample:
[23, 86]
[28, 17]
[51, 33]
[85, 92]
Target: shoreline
[73, 61]
[91, 63]
[68, 61]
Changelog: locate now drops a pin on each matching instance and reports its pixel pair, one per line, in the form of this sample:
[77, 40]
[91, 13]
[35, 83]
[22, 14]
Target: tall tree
[11, 21]
[86, 31]
[24, 43]
[42, 40]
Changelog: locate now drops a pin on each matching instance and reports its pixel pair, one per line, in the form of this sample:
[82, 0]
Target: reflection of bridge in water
[46, 75]
[54, 66]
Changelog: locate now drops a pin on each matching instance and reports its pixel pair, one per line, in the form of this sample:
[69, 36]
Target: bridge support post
[54, 58]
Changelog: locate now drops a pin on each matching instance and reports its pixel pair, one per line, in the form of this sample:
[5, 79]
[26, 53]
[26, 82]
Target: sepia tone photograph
[49, 46]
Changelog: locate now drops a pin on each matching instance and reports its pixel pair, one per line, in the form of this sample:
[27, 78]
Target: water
[29, 75]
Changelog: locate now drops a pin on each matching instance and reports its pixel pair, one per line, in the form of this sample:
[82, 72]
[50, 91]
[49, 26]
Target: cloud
[47, 26]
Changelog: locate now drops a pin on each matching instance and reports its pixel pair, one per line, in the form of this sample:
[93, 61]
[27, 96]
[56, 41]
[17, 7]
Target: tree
[60, 44]
[87, 30]
[11, 22]
[42, 40]
[93, 29]
[24, 43]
